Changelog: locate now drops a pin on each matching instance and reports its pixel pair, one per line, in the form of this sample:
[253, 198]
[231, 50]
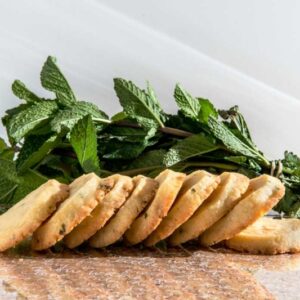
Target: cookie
[219, 203]
[268, 236]
[81, 201]
[195, 189]
[263, 193]
[21, 220]
[170, 183]
[106, 208]
[144, 191]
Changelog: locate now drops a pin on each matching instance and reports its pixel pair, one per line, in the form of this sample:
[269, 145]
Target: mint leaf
[99, 117]
[233, 143]
[292, 163]
[294, 211]
[189, 147]
[86, 108]
[245, 162]
[141, 164]
[28, 182]
[240, 160]
[61, 164]
[20, 124]
[34, 149]
[115, 149]
[123, 150]
[151, 159]
[8, 180]
[237, 124]
[14, 187]
[6, 152]
[253, 165]
[67, 118]
[53, 80]
[290, 203]
[138, 105]
[199, 109]
[13, 111]
[21, 91]
[119, 116]
[182, 122]
[83, 139]
[44, 129]
[207, 110]
[3, 145]
[187, 104]
[126, 134]
[152, 95]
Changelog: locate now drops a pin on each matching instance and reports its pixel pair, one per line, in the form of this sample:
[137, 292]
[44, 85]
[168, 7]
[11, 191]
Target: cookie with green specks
[195, 189]
[143, 193]
[107, 207]
[218, 204]
[81, 201]
[263, 193]
[21, 220]
[268, 236]
[170, 183]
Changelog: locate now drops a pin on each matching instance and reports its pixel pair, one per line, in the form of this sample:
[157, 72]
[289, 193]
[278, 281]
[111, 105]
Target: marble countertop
[122, 273]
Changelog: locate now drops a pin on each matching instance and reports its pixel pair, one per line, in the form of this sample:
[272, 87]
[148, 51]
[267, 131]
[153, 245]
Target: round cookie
[21, 220]
[70, 213]
[144, 191]
[114, 199]
[170, 183]
[195, 189]
[219, 203]
[268, 236]
[263, 193]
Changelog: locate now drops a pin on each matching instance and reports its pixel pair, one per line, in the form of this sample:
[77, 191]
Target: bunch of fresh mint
[64, 137]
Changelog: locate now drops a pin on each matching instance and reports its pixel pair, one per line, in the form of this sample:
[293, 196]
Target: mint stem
[167, 130]
[223, 166]
[139, 170]
[105, 121]
[174, 131]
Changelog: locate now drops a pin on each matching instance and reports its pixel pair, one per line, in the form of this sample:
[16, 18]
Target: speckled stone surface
[123, 273]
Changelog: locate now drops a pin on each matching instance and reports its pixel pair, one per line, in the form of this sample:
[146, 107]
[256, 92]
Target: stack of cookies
[174, 207]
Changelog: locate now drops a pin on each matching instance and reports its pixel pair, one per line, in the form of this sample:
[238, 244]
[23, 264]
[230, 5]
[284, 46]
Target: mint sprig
[83, 139]
[66, 118]
[21, 123]
[22, 92]
[64, 137]
[53, 80]
[192, 146]
[34, 149]
[140, 105]
[187, 104]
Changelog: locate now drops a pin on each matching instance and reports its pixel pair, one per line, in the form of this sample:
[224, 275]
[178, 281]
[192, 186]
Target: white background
[233, 52]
